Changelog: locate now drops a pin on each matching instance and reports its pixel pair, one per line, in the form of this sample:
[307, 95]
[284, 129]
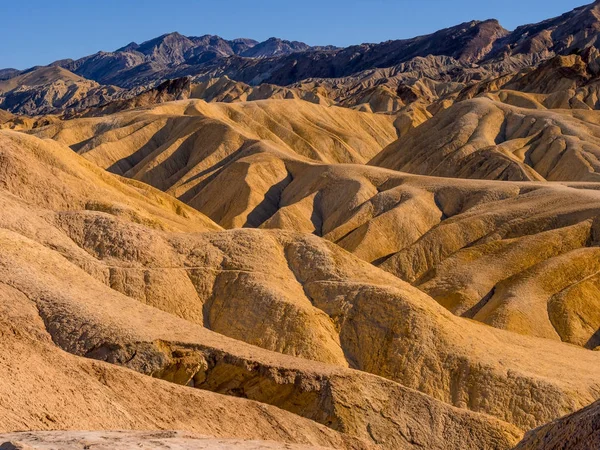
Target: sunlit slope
[515, 256]
[300, 294]
[484, 139]
[518, 256]
[176, 141]
[111, 284]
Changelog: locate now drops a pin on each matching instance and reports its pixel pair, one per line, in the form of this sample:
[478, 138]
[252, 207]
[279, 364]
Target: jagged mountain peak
[132, 46]
[169, 48]
[275, 47]
[571, 31]
[284, 62]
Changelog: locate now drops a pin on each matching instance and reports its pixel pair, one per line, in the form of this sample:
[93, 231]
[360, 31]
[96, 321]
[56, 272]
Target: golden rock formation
[62, 266]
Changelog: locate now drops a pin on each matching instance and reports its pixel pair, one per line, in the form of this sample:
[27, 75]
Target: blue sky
[44, 31]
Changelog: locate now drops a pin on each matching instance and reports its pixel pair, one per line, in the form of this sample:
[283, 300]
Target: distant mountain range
[468, 52]
[170, 55]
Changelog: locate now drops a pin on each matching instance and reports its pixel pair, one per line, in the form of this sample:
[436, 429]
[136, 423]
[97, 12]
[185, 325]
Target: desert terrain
[211, 243]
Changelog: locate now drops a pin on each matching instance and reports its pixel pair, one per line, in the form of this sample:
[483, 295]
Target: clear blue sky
[37, 32]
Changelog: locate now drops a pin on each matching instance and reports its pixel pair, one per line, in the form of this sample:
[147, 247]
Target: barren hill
[406, 225]
[572, 31]
[487, 139]
[336, 308]
[48, 89]
[92, 308]
[178, 147]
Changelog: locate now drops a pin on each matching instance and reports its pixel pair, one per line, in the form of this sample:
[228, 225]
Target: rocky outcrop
[570, 32]
[126, 440]
[579, 431]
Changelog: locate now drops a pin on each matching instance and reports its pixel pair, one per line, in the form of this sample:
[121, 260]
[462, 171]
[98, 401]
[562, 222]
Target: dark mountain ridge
[282, 62]
[466, 53]
[575, 30]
